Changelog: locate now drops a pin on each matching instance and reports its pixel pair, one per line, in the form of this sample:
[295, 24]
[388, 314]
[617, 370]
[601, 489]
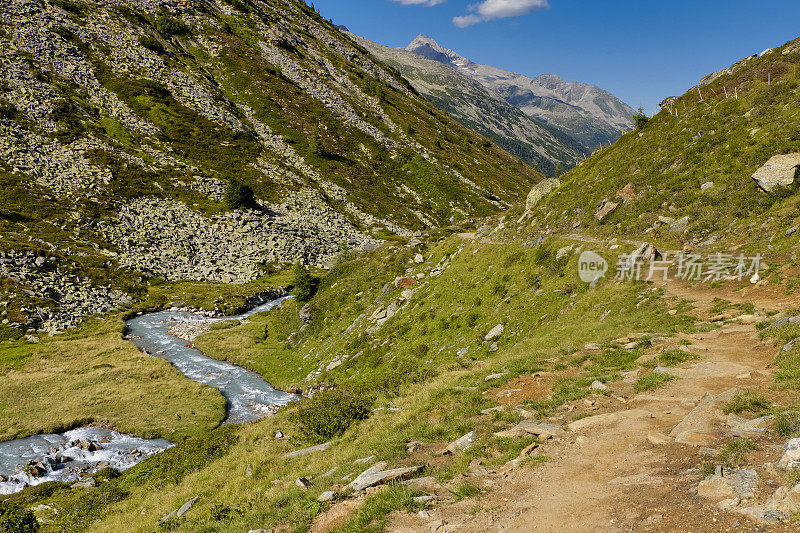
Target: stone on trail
[786, 500]
[729, 483]
[598, 386]
[697, 428]
[658, 439]
[606, 419]
[532, 427]
[791, 455]
[461, 445]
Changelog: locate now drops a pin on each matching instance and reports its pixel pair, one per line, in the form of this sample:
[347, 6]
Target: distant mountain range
[586, 113]
[482, 110]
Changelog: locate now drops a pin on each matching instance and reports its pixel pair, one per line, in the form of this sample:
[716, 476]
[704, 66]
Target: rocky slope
[481, 109]
[587, 113]
[122, 124]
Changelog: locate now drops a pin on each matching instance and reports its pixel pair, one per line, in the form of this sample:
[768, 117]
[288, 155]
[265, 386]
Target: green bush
[15, 518]
[305, 285]
[238, 195]
[329, 413]
[151, 43]
[168, 26]
[68, 6]
[7, 109]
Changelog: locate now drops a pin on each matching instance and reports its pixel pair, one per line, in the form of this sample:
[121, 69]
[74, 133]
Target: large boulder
[540, 190]
[779, 171]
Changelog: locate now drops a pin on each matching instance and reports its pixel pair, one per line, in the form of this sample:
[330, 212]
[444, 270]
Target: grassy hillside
[720, 140]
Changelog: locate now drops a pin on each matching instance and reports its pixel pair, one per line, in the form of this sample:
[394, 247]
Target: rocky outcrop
[540, 190]
[779, 171]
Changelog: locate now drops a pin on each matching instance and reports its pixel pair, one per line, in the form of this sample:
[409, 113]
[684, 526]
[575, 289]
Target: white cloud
[495, 9]
[420, 2]
[467, 20]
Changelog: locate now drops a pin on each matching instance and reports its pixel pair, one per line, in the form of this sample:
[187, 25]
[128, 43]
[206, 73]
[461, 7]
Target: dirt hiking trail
[621, 468]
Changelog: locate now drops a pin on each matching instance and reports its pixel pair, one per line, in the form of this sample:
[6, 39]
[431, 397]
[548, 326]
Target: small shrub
[14, 518]
[7, 109]
[152, 44]
[238, 195]
[749, 401]
[305, 285]
[220, 512]
[328, 414]
[69, 7]
[640, 119]
[169, 26]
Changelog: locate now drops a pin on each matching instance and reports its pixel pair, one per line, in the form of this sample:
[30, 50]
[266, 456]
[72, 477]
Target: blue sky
[640, 50]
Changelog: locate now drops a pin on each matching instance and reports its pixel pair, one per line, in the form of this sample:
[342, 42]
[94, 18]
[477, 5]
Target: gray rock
[679, 226]
[326, 496]
[779, 171]
[598, 386]
[729, 483]
[494, 333]
[375, 475]
[540, 190]
[462, 444]
[310, 449]
[791, 455]
[182, 510]
[302, 483]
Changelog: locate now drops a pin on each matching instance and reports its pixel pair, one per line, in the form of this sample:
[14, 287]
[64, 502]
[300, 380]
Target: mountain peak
[427, 47]
[422, 40]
